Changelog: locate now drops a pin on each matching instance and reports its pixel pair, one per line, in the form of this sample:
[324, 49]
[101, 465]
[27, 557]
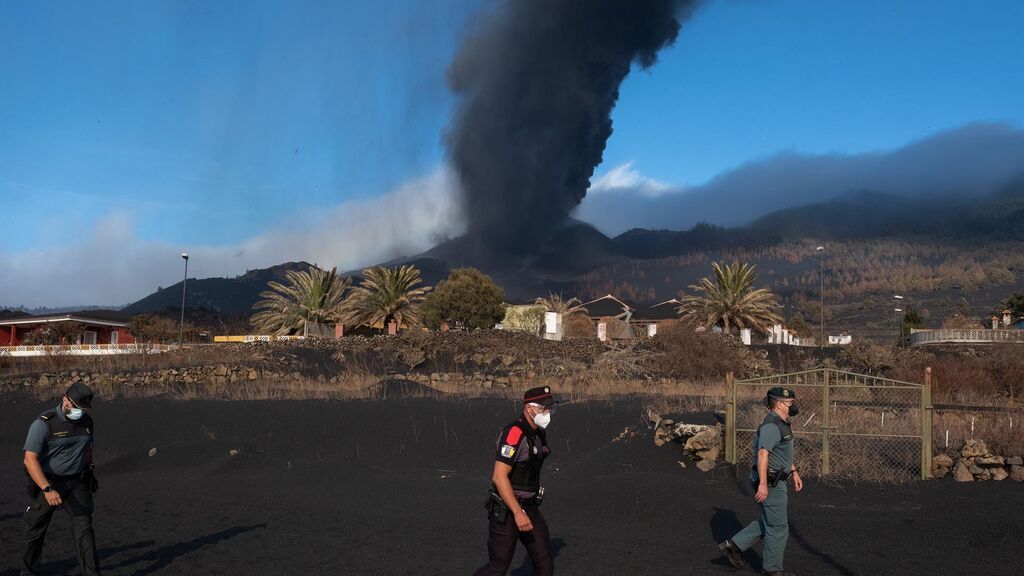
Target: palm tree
[387, 294]
[731, 300]
[313, 295]
[567, 308]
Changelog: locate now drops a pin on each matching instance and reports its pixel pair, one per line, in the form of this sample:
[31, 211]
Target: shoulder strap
[48, 415]
[784, 429]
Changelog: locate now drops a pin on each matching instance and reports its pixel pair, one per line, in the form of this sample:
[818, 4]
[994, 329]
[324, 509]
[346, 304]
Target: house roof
[607, 306]
[666, 310]
[94, 317]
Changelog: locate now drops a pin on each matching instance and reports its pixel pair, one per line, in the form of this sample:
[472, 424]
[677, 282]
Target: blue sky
[217, 125]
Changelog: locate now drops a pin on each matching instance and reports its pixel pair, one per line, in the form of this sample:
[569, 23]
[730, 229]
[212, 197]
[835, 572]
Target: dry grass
[1001, 431]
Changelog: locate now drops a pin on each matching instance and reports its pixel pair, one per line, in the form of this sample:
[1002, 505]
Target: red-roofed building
[101, 327]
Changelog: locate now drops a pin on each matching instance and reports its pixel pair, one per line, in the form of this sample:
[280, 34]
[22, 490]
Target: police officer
[58, 461]
[773, 466]
[516, 492]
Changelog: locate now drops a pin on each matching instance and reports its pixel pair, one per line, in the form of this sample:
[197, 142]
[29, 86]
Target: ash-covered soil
[396, 486]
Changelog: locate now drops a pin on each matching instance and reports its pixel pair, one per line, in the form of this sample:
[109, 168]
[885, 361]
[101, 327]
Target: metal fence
[966, 335]
[850, 425]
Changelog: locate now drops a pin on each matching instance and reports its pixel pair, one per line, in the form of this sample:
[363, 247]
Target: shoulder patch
[47, 415]
[507, 450]
[515, 434]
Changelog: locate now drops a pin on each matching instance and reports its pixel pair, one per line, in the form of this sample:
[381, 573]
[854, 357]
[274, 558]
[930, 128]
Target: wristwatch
[48, 489]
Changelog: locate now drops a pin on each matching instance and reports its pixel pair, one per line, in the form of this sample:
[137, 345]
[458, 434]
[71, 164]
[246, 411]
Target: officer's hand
[762, 493]
[798, 482]
[52, 498]
[523, 521]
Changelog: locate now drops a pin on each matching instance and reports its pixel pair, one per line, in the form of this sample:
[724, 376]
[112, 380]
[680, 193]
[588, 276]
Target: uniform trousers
[501, 544]
[76, 496]
[773, 526]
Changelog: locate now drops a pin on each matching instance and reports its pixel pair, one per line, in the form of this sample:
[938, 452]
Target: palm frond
[731, 300]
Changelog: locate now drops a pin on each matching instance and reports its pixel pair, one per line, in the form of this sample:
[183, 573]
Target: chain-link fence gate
[850, 425]
[318, 330]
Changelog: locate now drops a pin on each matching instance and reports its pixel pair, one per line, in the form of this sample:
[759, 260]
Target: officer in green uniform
[773, 466]
[58, 461]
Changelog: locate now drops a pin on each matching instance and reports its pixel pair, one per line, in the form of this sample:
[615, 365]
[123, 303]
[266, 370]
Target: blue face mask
[75, 413]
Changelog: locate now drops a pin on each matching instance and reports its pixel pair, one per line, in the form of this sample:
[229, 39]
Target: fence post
[730, 418]
[826, 421]
[926, 425]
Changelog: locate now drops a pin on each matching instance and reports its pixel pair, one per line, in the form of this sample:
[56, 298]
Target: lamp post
[899, 340]
[181, 323]
[821, 296]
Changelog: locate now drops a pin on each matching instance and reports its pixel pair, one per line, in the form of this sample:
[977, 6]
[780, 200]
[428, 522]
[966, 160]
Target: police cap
[539, 395]
[780, 392]
[80, 394]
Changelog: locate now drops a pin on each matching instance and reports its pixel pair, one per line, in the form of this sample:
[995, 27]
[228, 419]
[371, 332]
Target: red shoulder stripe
[515, 434]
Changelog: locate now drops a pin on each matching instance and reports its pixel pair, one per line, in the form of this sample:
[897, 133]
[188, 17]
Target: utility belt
[774, 477]
[58, 480]
[498, 511]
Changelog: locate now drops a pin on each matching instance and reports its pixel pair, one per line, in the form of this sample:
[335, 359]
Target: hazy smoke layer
[538, 80]
[975, 159]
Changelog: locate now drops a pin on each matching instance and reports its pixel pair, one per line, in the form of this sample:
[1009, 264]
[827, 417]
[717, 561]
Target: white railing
[966, 336]
[84, 349]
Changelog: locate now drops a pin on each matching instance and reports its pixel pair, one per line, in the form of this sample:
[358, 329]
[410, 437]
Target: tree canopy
[468, 299]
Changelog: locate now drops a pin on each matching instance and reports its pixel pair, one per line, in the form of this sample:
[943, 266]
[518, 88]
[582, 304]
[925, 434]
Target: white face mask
[542, 419]
[75, 413]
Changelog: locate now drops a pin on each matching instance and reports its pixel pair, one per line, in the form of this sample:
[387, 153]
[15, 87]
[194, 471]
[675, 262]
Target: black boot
[732, 552]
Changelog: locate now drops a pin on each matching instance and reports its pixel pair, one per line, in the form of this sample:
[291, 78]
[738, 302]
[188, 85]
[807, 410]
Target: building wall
[102, 334]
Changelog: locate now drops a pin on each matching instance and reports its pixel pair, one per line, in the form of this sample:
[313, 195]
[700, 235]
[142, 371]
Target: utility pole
[821, 296]
[899, 340]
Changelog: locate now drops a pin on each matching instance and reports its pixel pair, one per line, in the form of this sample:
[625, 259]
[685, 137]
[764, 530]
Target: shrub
[468, 299]
[682, 352]
[579, 326]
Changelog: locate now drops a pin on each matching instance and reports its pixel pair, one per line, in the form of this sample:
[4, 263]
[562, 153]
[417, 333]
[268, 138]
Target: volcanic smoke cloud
[537, 81]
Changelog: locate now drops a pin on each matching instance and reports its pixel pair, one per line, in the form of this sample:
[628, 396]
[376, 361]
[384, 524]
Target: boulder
[961, 473]
[705, 465]
[1015, 461]
[661, 437]
[986, 474]
[251, 375]
[940, 472]
[975, 469]
[989, 461]
[708, 439]
[942, 461]
[1017, 473]
[999, 473]
[974, 447]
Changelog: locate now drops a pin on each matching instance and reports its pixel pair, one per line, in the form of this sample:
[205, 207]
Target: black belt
[61, 478]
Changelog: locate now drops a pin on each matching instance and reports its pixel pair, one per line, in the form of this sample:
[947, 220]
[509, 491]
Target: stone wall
[975, 462]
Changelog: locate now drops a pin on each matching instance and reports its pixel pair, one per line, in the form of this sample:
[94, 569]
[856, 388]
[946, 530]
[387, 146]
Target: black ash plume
[537, 81]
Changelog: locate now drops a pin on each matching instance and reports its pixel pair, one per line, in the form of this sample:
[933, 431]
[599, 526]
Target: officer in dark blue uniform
[58, 461]
[516, 491]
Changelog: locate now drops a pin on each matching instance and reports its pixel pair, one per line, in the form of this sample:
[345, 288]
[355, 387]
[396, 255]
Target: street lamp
[181, 323]
[821, 296]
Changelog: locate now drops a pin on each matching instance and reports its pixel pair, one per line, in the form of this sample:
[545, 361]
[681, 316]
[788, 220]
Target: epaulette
[47, 415]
